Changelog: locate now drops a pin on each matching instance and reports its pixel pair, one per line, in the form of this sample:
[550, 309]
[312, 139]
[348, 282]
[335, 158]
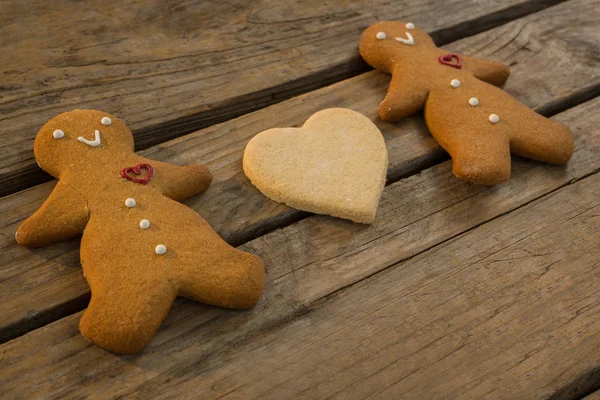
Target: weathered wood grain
[509, 310]
[39, 286]
[593, 396]
[171, 67]
[306, 262]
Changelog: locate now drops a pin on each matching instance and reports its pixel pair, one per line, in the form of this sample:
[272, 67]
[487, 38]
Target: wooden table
[457, 291]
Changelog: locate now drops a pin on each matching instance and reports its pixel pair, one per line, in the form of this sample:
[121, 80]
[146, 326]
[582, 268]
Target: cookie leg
[231, 278]
[124, 319]
[542, 139]
[480, 150]
[485, 162]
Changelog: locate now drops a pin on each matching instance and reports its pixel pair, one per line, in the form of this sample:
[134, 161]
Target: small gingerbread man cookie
[478, 124]
[140, 247]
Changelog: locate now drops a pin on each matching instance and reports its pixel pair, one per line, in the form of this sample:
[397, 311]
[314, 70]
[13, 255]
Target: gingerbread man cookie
[140, 248]
[478, 124]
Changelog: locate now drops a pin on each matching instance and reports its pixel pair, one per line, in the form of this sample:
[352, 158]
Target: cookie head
[385, 42]
[80, 136]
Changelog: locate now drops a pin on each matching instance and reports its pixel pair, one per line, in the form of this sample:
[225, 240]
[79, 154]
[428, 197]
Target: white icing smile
[410, 40]
[93, 143]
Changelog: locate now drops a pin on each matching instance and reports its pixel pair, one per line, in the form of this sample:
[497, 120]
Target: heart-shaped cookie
[335, 164]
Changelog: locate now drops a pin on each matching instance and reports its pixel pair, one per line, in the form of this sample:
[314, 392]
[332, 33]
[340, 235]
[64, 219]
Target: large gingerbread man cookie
[140, 247]
[478, 124]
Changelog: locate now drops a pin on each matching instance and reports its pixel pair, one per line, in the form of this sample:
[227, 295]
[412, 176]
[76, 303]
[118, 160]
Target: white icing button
[381, 35]
[474, 101]
[130, 202]
[494, 119]
[58, 134]
[455, 83]
[106, 121]
[160, 249]
[410, 25]
[144, 224]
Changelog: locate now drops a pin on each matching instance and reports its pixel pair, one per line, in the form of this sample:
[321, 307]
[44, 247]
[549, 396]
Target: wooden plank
[509, 310]
[169, 68]
[238, 211]
[306, 262]
[593, 396]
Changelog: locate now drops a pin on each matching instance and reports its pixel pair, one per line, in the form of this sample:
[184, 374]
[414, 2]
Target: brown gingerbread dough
[140, 247]
[478, 124]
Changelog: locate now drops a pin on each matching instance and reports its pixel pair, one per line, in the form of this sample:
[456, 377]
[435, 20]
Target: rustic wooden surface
[54, 275]
[170, 67]
[306, 262]
[456, 291]
[508, 310]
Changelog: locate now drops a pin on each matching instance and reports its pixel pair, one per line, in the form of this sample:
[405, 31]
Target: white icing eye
[58, 134]
[160, 249]
[474, 101]
[130, 203]
[455, 83]
[381, 35]
[410, 25]
[494, 119]
[106, 121]
[144, 224]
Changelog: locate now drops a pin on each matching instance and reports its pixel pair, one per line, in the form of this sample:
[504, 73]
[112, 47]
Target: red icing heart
[449, 58]
[128, 173]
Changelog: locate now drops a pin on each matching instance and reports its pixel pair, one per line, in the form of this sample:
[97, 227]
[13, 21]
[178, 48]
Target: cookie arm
[405, 96]
[493, 72]
[63, 216]
[179, 183]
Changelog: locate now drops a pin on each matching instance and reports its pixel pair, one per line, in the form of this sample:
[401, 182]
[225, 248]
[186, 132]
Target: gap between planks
[196, 340]
[153, 123]
[411, 149]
